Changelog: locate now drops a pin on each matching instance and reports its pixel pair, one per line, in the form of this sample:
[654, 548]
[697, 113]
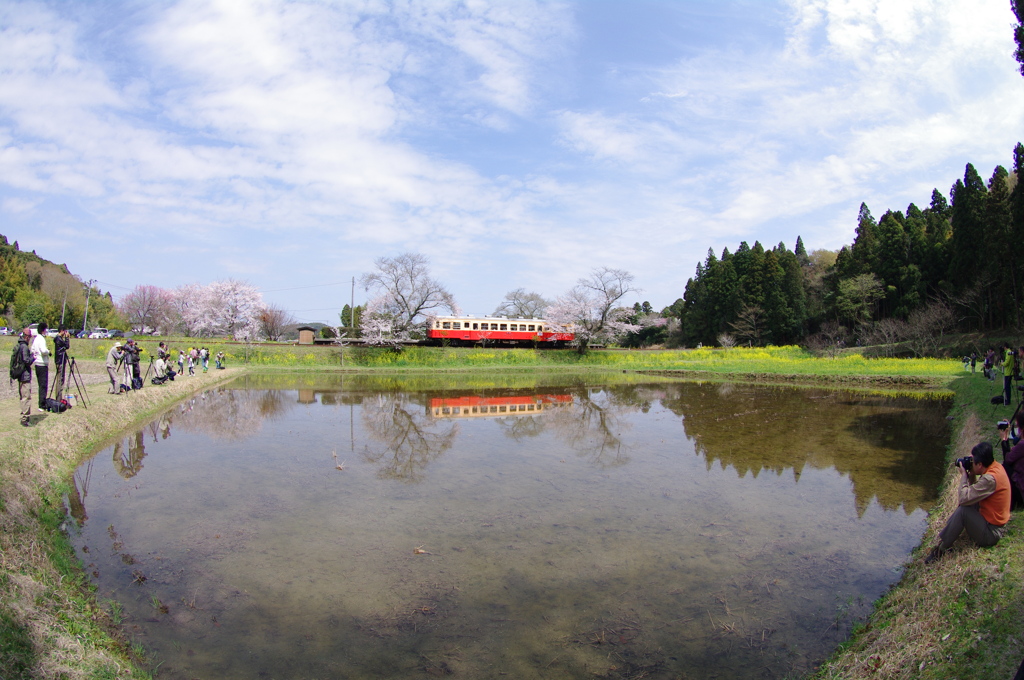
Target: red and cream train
[495, 330]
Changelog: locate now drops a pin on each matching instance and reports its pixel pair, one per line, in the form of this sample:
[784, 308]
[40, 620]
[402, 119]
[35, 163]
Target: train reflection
[496, 407]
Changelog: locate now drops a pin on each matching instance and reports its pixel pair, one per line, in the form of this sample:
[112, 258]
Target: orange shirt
[995, 508]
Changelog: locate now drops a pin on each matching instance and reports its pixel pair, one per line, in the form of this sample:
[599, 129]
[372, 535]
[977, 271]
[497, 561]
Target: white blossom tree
[406, 296]
[191, 306]
[237, 307]
[590, 309]
[228, 307]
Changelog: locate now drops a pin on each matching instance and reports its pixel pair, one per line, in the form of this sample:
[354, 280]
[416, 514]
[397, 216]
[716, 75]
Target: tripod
[148, 369]
[76, 377]
[57, 386]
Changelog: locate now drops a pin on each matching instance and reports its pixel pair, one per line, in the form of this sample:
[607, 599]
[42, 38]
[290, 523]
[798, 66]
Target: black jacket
[61, 345]
[26, 357]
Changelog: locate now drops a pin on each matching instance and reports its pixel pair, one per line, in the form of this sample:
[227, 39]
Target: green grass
[789, 360]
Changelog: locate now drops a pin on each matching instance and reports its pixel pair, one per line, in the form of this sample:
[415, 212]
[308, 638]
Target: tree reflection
[890, 448]
[230, 414]
[593, 425]
[409, 438]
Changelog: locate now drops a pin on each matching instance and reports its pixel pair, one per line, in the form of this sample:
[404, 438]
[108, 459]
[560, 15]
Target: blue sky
[516, 144]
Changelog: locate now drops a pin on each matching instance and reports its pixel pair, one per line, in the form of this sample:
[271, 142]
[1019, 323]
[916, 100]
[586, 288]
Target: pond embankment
[50, 624]
[959, 618]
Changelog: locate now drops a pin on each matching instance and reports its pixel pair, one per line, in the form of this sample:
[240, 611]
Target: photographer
[1012, 457]
[132, 351]
[61, 345]
[114, 357]
[1009, 370]
[984, 502]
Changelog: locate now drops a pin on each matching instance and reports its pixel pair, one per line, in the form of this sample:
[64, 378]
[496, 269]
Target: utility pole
[352, 307]
[88, 292]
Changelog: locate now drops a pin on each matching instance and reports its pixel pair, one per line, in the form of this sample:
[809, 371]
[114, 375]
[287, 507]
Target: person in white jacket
[41, 361]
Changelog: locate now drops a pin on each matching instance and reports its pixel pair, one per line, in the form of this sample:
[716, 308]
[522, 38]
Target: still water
[552, 528]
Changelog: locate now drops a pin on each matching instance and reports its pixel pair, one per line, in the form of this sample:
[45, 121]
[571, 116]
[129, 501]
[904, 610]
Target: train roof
[486, 317]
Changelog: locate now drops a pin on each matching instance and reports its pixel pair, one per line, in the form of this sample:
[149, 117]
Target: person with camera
[114, 357]
[1009, 369]
[984, 502]
[1013, 454]
[61, 345]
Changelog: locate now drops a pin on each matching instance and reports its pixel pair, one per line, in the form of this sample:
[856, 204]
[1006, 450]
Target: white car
[99, 334]
[4, 330]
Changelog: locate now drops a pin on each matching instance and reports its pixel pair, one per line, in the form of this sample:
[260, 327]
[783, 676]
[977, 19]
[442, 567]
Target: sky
[516, 144]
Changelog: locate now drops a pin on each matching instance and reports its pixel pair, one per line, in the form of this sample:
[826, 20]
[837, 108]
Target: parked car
[115, 334]
[52, 333]
[99, 334]
[82, 334]
[4, 330]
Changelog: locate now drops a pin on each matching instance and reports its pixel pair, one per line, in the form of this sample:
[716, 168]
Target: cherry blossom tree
[590, 311]
[192, 306]
[146, 308]
[228, 307]
[237, 307]
[406, 296]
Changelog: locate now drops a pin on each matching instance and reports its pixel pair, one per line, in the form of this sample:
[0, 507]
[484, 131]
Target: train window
[446, 325]
[532, 327]
[483, 326]
[540, 329]
[474, 326]
[504, 327]
[501, 409]
[513, 327]
[457, 325]
[494, 409]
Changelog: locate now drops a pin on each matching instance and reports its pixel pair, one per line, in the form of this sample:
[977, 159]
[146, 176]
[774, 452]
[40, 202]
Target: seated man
[984, 503]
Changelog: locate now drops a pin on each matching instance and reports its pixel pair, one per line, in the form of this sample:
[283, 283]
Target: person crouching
[162, 370]
[984, 502]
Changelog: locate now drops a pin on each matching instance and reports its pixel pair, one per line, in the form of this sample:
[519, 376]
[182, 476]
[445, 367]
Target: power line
[319, 285]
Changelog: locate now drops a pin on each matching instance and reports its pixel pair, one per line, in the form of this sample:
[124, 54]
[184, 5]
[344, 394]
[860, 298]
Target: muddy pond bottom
[656, 530]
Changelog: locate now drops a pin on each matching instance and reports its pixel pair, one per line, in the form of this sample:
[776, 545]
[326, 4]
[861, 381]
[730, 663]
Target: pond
[543, 527]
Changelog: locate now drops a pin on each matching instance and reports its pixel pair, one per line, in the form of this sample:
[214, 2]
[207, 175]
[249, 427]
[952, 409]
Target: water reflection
[617, 530]
[407, 436]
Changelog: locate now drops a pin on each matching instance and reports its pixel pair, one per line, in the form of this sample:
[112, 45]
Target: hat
[116, 345]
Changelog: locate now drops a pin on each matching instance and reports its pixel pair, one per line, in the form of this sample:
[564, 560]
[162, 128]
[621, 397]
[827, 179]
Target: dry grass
[50, 626]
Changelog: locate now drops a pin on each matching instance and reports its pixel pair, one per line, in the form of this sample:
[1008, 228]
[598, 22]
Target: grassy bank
[50, 624]
[960, 618]
[963, 616]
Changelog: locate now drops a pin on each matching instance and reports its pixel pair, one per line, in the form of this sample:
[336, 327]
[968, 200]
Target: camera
[1003, 424]
[967, 462]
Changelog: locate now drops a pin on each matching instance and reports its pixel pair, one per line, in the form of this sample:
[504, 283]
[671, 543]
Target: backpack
[54, 406]
[18, 363]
